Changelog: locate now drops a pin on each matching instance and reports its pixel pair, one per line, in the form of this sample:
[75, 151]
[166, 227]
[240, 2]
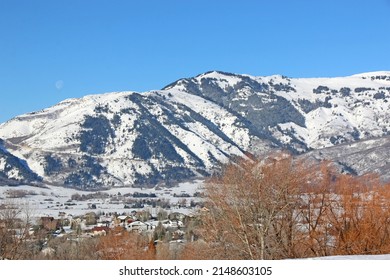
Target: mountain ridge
[193, 125]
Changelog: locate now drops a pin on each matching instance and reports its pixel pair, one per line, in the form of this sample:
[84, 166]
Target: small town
[160, 215]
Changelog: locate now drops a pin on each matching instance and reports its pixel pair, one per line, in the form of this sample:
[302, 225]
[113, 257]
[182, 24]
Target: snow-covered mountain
[192, 125]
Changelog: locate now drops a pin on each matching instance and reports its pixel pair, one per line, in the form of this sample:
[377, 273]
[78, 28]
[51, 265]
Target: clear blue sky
[52, 50]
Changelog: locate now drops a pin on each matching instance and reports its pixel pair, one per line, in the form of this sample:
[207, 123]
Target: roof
[122, 217]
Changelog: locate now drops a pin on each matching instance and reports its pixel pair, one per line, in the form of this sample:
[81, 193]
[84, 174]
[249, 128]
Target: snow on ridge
[370, 74]
[222, 79]
[220, 74]
[107, 96]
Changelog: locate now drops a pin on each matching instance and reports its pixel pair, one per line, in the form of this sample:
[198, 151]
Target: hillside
[14, 171]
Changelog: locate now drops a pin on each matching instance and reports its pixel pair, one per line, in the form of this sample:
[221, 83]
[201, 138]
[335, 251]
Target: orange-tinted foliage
[285, 208]
[122, 245]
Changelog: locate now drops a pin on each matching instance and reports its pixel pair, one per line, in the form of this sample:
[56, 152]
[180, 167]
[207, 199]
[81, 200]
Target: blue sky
[52, 50]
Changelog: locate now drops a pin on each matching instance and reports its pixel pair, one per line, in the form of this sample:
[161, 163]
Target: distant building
[49, 223]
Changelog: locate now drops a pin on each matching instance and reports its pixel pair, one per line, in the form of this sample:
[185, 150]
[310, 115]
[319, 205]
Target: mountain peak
[216, 73]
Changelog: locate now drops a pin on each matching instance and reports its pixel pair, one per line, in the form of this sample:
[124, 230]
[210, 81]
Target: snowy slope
[359, 158]
[127, 138]
[191, 126]
[14, 170]
[302, 114]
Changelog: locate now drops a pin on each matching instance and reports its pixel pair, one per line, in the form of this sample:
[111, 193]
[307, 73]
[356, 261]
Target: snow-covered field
[51, 200]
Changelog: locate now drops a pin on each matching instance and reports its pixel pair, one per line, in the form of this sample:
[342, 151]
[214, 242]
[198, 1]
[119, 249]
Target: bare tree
[252, 208]
[120, 244]
[360, 217]
[15, 221]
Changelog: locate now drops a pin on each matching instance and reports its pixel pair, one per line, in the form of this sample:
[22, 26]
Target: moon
[59, 84]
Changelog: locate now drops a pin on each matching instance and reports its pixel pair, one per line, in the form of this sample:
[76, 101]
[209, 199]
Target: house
[123, 220]
[139, 226]
[177, 216]
[168, 224]
[100, 231]
[49, 223]
[105, 219]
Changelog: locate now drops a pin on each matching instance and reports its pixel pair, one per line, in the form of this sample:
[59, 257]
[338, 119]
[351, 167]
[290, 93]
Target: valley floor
[51, 200]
